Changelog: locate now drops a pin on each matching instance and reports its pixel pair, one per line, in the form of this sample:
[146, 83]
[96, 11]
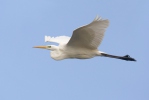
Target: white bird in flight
[83, 44]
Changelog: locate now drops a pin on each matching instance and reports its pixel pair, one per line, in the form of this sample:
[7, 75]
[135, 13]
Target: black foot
[128, 58]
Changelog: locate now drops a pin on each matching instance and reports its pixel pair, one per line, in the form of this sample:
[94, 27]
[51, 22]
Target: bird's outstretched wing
[59, 39]
[89, 36]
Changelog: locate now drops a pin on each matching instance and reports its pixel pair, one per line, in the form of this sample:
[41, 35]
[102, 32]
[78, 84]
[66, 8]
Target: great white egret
[83, 44]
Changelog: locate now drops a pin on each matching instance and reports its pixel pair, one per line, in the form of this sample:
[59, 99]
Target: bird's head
[48, 47]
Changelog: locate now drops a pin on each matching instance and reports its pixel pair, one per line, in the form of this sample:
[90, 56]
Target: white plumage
[89, 36]
[58, 39]
[83, 44]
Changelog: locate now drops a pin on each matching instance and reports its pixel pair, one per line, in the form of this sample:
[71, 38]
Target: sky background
[31, 74]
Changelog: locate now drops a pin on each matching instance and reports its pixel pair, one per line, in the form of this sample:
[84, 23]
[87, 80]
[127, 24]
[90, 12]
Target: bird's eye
[49, 46]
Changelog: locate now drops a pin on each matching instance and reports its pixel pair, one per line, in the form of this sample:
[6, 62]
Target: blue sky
[30, 74]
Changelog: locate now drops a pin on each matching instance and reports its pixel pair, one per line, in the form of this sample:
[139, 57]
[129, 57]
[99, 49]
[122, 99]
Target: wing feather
[89, 36]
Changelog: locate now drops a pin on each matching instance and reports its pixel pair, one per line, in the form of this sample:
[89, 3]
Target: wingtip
[97, 18]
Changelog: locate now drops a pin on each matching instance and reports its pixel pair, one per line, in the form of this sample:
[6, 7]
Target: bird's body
[63, 52]
[83, 44]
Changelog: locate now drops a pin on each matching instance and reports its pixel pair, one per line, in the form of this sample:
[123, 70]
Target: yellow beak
[42, 47]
